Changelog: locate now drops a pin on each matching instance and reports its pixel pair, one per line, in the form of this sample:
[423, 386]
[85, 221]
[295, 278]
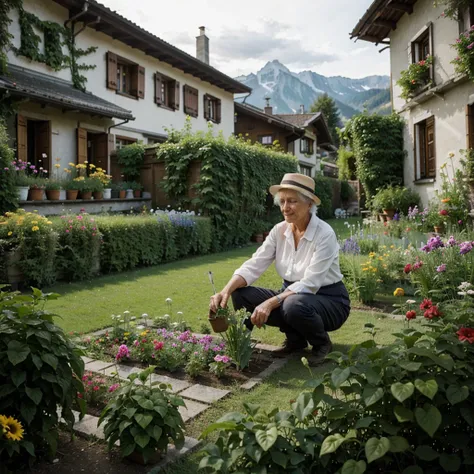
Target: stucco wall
[308, 160]
[149, 117]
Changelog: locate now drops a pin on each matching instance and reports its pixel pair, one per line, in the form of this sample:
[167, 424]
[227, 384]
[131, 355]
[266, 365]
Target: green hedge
[234, 181]
[324, 192]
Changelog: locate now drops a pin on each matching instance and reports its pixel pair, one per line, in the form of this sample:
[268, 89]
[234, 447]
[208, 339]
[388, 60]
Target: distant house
[439, 115]
[299, 134]
[138, 86]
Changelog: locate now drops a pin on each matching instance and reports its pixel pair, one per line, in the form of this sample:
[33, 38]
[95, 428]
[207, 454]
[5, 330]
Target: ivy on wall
[453, 8]
[5, 36]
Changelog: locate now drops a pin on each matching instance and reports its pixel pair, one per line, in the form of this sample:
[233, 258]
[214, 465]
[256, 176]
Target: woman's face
[293, 208]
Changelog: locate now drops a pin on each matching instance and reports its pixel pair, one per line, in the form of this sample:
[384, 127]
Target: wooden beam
[401, 7]
[374, 39]
[386, 23]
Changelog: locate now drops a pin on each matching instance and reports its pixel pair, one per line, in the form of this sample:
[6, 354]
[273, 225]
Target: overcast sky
[244, 35]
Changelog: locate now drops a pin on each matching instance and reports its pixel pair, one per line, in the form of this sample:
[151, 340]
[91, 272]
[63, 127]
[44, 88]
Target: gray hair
[301, 197]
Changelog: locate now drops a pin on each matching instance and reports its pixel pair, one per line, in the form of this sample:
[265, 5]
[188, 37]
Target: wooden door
[81, 145]
[22, 138]
[43, 144]
[101, 151]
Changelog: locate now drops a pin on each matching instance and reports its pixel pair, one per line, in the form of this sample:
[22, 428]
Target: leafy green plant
[453, 8]
[143, 415]
[130, 158]
[347, 191]
[239, 345]
[40, 370]
[399, 198]
[323, 186]
[415, 77]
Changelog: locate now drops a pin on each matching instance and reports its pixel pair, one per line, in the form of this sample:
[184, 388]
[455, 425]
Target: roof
[306, 120]
[120, 28]
[274, 119]
[380, 19]
[24, 82]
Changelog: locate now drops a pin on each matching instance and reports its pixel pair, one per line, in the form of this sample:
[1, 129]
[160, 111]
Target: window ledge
[424, 181]
[126, 95]
[171, 109]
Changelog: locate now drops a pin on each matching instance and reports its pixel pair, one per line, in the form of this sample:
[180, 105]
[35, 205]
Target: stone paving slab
[99, 366]
[272, 368]
[123, 371]
[192, 410]
[203, 393]
[266, 347]
[87, 360]
[88, 426]
[176, 384]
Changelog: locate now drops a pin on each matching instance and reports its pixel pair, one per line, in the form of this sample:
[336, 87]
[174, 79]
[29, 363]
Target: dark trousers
[304, 318]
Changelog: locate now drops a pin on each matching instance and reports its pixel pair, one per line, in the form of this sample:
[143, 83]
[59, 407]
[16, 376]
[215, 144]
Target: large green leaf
[402, 391]
[17, 352]
[428, 418]
[266, 438]
[450, 462]
[222, 425]
[372, 395]
[426, 453]
[398, 444]
[456, 394]
[280, 458]
[35, 394]
[146, 404]
[331, 443]
[403, 414]
[364, 422]
[339, 376]
[143, 420]
[375, 448]
[18, 377]
[51, 360]
[304, 405]
[428, 388]
[354, 467]
[142, 439]
[410, 366]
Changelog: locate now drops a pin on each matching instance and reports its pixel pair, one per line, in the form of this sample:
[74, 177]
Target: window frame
[422, 143]
[136, 76]
[123, 138]
[167, 92]
[261, 138]
[310, 147]
[306, 168]
[212, 108]
[424, 38]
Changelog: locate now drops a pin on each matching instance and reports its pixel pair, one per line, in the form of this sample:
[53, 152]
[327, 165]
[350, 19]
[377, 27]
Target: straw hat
[298, 182]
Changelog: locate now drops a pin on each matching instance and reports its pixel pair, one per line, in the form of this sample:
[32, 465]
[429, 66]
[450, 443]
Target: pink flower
[114, 387]
[441, 268]
[67, 231]
[95, 388]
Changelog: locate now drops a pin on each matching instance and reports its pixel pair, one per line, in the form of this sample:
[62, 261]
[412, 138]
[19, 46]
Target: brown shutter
[81, 145]
[158, 89]
[218, 111]
[141, 82]
[111, 71]
[177, 94]
[43, 143]
[191, 97]
[431, 147]
[22, 138]
[470, 126]
[206, 106]
[430, 33]
[195, 102]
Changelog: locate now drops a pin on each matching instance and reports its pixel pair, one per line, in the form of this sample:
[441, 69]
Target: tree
[328, 107]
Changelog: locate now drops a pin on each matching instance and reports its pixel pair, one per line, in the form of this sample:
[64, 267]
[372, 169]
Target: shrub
[395, 197]
[40, 370]
[8, 194]
[324, 192]
[347, 191]
[130, 158]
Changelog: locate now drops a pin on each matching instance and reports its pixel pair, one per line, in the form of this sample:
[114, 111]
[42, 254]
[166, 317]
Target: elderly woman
[313, 299]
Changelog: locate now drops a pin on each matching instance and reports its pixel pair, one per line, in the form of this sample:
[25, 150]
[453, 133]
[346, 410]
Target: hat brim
[278, 187]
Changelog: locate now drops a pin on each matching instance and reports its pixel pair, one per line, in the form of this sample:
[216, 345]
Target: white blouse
[314, 264]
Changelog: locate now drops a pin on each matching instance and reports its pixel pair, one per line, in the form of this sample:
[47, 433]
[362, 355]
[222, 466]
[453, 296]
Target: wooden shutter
[176, 99]
[141, 82]
[470, 126]
[206, 106]
[22, 138]
[158, 89]
[111, 71]
[43, 143]
[430, 147]
[191, 105]
[81, 146]
[195, 101]
[218, 111]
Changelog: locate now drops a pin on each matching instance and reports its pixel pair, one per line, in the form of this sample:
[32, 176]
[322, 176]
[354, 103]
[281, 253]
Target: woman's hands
[219, 300]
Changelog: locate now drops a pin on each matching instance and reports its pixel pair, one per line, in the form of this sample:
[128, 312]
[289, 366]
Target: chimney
[302, 109]
[202, 45]
[268, 108]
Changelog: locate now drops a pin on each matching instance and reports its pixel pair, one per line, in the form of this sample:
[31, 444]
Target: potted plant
[96, 186]
[415, 77]
[144, 417]
[437, 217]
[137, 189]
[114, 190]
[104, 179]
[71, 187]
[53, 189]
[37, 185]
[20, 178]
[87, 186]
[219, 320]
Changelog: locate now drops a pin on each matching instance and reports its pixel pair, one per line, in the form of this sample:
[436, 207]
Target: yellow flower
[10, 233]
[13, 429]
[392, 246]
[49, 222]
[381, 259]
[444, 165]
[57, 165]
[34, 222]
[399, 292]
[365, 269]
[35, 228]
[71, 164]
[451, 155]
[126, 334]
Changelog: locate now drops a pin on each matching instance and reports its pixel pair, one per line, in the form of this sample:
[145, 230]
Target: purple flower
[470, 46]
[122, 352]
[433, 244]
[441, 268]
[465, 247]
[114, 387]
[451, 242]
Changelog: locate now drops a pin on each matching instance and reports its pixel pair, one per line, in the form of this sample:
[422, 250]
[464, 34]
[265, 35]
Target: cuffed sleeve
[260, 260]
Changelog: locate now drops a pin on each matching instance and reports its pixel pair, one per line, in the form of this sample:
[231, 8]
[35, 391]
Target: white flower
[169, 300]
[470, 292]
[180, 313]
[144, 315]
[411, 301]
[166, 316]
[462, 293]
[133, 318]
[140, 327]
[44, 155]
[126, 312]
[464, 285]
[113, 316]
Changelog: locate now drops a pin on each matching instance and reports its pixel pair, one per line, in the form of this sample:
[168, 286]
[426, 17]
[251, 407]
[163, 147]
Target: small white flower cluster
[171, 212]
[466, 289]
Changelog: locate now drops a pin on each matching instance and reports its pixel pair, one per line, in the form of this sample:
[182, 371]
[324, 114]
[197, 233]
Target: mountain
[288, 90]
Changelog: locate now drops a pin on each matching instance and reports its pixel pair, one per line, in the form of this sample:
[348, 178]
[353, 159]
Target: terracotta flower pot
[98, 195]
[218, 324]
[36, 194]
[439, 229]
[122, 194]
[71, 194]
[137, 458]
[86, 195]
[389, 213]
[137, 193]
[53, 194]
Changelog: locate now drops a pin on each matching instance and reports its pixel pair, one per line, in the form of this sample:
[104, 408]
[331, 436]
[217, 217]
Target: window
[212, 108]
[266, 139]
[191, 103]
[422, 47]
[167, 92]
[466, 17]
[307, 146]
[306, 170]
[125, 77]
[120, 142]
[425, 149]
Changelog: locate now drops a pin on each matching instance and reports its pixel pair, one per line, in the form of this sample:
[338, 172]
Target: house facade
[135, 85]
[439, 115]
[299, 134]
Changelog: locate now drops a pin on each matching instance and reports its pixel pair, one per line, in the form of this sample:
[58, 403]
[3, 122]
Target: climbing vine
[453, 8]
[5, 36]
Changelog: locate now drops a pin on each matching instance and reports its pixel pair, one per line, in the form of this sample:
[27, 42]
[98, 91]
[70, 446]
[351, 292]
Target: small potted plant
[97, 187]
[437, 217]
[144, 417]
[71, 186]
[53, 189]
[137, 189]
[219, 320]
[20, 178]
[37, 186]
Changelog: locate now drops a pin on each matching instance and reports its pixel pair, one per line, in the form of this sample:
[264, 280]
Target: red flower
[432, 312]
[95, 388]
[410, 314]
[407, 268]
[426, 304]
[466, 334]
[443, 212]
[158, 346]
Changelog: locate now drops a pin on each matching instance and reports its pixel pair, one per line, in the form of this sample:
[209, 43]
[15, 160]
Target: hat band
[295, 183]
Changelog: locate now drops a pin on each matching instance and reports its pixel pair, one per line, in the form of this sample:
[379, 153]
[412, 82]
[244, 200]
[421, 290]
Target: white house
[136, 85]
[439, 116]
